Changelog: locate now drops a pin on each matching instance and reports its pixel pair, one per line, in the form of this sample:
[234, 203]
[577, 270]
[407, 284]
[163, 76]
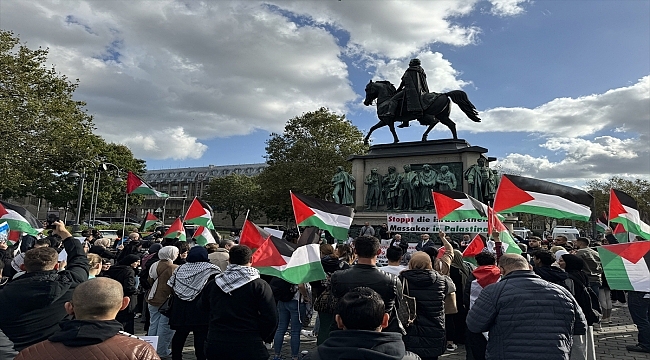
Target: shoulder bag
[406, 306]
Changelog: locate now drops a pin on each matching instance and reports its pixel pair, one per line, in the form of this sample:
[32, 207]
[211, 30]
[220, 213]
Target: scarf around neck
[189, 279]
[235, 277]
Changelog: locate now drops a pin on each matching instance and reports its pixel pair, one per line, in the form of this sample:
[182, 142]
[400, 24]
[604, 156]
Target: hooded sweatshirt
[362, 345]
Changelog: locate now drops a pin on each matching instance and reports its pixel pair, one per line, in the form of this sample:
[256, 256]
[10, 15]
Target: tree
[304, 158]
[639, 189]
[44, 131]
[233, 194]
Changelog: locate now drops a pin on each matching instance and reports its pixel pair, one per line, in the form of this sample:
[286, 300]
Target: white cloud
[170, 143]
[602, 157]
[218, 69]
[508, 7]
[626, 108]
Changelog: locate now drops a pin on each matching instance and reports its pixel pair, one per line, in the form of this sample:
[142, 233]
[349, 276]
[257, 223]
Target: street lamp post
[165, 205]
[82, 177]
[103, 167]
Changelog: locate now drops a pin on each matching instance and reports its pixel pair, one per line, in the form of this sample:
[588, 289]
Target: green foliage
[46, 134]
[234, 194]
[639, 189]
[304, 158]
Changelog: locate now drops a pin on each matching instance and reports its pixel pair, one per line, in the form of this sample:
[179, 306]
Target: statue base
[456, 155]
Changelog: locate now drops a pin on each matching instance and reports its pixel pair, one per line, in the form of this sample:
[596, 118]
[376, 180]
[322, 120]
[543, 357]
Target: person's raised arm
[77, 262]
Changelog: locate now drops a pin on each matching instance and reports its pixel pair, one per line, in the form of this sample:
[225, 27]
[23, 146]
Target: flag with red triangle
[149, 220]
[623, 209]
[475, 247]
[135, 185]
[252, 235]
[508, 244]
[176, 231]
[627, 266]
[533, 196]
[17, 224]
[602, 223]
[325, 215]
[620, 233]
[203, 236]
[295, 264]
[455, 206]
[199, 213]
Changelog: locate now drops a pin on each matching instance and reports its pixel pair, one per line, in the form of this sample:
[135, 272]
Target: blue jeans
[159, 326]
[288, 312]
[639, 310]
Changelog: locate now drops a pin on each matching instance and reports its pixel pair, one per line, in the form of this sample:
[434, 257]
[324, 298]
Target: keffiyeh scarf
[189, 279]
[235, 277]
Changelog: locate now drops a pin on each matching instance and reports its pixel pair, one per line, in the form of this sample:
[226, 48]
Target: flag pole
[294, 214]
[126, 204]
[245, 219]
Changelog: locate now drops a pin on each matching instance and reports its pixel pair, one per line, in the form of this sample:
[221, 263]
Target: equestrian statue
[413, 101]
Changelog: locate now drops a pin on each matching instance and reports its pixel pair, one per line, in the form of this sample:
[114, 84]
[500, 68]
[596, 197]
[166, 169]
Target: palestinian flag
[483, 276]
[31, 219]
[149, 220]
[474, 248]
[199, 213]
[325, 215]
[135, 185]
[627, 266]
[508, 244]
[620, 233]
[17, 223]
[203, 236]
[624, 209]
[177, 230]
[601, 223]
[532, 196]
[455, 206]
[252, 235]
[294, 264]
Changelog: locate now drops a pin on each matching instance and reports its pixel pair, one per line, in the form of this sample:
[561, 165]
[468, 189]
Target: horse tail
[460, 98]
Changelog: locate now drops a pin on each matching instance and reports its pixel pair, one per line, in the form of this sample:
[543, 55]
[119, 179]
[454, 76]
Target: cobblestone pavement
[610, 341]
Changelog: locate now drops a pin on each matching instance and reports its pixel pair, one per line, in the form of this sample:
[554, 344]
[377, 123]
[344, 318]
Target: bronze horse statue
[436, 109]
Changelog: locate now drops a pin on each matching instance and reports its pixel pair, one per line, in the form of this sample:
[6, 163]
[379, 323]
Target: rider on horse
[413, 85]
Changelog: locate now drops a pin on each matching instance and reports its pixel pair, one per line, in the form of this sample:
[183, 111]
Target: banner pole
[126, 204]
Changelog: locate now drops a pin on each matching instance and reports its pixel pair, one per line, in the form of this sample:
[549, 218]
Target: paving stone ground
[610, 341]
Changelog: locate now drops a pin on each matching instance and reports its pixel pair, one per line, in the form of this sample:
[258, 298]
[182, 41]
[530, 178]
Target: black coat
[35, 300]
[125, 275]
[426, 336]
[361, 345]
[248, 311]
[387, 285]
[518, 306]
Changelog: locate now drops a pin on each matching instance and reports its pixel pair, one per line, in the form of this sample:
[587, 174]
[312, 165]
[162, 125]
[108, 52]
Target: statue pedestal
[457, 155]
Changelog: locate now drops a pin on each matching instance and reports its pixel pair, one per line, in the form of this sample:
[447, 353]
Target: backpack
[283, 290]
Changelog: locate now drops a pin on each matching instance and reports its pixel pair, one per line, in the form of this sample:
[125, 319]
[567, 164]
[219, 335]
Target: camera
[51, 219]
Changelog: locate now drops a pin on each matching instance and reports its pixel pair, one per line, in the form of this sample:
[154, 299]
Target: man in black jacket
[361, 316]
[505, 310]
[543, 260]
[366, 273]
[34, 303]
[243, 314]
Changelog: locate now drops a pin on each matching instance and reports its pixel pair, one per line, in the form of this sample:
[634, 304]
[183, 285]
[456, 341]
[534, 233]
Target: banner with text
[428, 223]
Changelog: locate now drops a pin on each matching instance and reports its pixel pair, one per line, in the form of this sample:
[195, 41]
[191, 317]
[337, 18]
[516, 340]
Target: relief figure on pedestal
[478, 177]
[446, 179]
[390, 184]
[373, 193]
[408, 184]
[427, 183]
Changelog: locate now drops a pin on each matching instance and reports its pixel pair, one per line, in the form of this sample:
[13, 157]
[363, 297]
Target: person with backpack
[578, 284]
[426, 335]
[290, 300]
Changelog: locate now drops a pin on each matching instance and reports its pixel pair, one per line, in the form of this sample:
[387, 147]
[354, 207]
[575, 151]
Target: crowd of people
[420, 305]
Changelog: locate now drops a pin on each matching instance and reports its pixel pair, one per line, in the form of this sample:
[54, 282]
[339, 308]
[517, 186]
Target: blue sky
[562, 86]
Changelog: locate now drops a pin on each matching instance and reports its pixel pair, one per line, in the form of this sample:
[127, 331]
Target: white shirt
[393, 269]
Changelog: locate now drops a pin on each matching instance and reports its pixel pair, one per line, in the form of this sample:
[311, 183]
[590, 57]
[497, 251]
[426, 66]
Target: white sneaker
[307, 333]
[452, 347]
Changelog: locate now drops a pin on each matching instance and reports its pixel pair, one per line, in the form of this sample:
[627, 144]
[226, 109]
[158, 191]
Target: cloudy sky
[563, 87]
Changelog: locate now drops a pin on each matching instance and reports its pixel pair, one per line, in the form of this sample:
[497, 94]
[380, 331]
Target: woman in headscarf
[124, 272]
[426, 335]
[455, 326]
[187, 282]
[159, 274]
[578, 284]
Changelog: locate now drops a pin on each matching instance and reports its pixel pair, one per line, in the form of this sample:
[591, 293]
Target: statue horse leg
[445, 120]
[391, 125]
[375, 127]
[432, 121]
